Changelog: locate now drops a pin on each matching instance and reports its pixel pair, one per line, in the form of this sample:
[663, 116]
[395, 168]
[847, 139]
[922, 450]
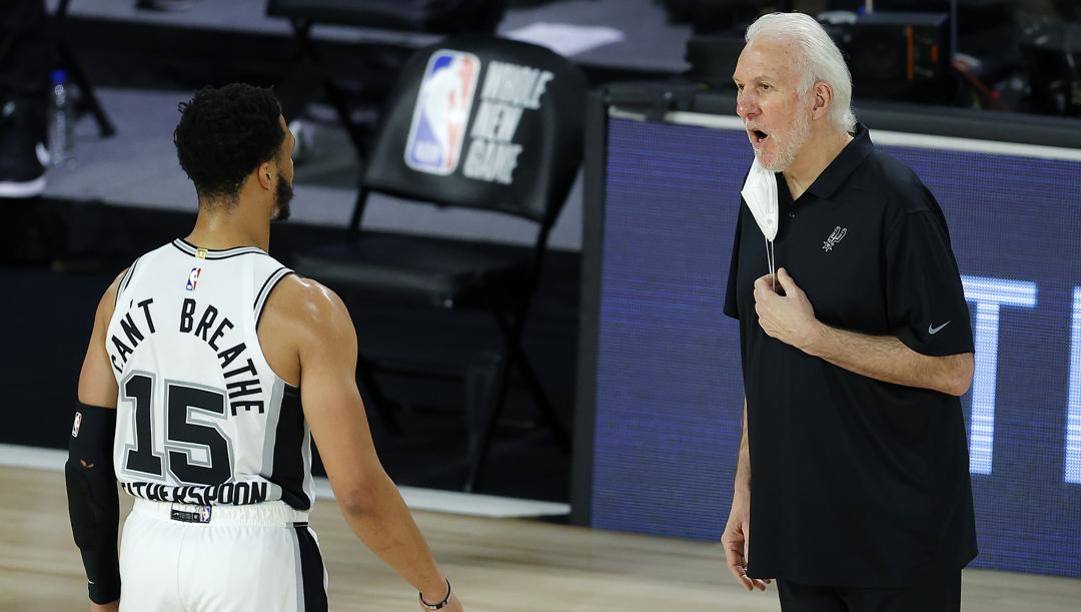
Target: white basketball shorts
[263, 558]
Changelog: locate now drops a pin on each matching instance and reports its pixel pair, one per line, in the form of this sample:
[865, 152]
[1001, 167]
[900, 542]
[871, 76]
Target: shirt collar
[842, 166]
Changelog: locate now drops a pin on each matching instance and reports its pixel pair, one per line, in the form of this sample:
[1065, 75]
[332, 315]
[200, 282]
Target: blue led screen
[669, 390]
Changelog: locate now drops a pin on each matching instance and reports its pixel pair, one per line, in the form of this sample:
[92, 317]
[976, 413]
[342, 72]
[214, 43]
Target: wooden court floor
[499, 565]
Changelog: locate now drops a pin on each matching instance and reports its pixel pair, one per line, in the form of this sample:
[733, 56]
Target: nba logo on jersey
[78, 423]
[193, 279]
[441, 115]
[204, 514]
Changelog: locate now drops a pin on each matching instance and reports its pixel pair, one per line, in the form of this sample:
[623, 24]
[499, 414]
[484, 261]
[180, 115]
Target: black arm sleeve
[93, 504]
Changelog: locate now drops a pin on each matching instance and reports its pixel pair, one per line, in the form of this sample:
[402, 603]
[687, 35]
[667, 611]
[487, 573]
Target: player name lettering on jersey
[229, 493]
[237, 385]
[207, 323]
[132, 333]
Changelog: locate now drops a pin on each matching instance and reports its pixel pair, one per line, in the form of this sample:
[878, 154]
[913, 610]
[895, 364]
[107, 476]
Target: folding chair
[474, 122]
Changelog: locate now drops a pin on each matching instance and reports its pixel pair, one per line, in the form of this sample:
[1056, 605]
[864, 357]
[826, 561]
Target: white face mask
[760, 193]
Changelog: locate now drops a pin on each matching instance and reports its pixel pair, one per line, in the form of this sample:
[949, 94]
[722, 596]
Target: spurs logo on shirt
[201, 417]
[836, 236]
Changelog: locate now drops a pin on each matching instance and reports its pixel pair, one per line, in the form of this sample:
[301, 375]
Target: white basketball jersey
[201, 418]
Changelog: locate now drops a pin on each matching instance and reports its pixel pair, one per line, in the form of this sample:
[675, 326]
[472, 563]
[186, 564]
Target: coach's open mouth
[758, 136]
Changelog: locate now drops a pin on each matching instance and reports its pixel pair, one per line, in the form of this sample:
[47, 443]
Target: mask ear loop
[771, 262]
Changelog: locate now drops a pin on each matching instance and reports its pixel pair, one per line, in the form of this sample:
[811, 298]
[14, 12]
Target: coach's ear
[822, 94]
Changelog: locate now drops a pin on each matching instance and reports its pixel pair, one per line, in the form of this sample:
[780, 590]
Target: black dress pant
[935, 596]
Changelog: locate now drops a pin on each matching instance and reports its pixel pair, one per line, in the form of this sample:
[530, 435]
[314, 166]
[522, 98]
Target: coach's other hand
[785, 313]
[735, 539]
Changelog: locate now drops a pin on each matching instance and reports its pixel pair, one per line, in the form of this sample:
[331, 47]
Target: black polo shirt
[855, 482]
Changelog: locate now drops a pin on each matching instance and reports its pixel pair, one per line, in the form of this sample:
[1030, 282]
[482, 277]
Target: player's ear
[265, 175]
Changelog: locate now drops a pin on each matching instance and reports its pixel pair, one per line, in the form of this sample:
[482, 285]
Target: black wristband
[436, 606]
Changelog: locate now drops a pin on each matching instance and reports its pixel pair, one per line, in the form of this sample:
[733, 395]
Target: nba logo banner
[441, 114]
[193, 279]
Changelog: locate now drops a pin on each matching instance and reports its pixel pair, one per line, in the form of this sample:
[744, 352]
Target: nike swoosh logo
[931, 329]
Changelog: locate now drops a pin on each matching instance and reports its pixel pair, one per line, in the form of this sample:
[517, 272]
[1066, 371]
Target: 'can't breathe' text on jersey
[201, 417]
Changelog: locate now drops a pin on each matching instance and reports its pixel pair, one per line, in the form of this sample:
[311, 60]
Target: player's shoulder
[114, 286]
[107, 302]
[306, 302]
[306, 293]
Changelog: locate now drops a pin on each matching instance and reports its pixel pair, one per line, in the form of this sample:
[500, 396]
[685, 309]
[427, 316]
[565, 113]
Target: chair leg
[352, 233]
[479, 378]
[494, 406]
[513, 356]
[338, 98]
[513, 326]
[519, 358]
[372, 394]
[89, 98]
[297, 89]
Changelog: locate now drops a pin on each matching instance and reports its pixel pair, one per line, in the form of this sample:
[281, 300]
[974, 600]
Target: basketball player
[209, 368]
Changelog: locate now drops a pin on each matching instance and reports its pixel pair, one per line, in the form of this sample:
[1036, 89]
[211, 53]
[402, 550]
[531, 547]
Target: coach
[854, 352]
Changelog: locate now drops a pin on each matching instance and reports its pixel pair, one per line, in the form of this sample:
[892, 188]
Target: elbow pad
[93, 504]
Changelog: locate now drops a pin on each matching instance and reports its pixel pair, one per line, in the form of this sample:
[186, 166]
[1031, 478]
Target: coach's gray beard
[801, 132]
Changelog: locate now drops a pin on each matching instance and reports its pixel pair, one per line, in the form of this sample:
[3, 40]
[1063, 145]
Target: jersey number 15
[182, 435]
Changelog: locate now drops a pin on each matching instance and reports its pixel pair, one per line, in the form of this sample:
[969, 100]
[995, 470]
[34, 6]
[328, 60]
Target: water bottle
[60, 120]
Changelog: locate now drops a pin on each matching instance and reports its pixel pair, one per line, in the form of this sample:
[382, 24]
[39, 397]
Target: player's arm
[367, 497]
[93, 505]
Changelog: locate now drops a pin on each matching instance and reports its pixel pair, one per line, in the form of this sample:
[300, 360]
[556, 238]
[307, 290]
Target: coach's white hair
[819, 59]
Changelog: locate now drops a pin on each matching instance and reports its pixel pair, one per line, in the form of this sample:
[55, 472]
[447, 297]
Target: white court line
[431, 500]
[14, 455]
[885, 137]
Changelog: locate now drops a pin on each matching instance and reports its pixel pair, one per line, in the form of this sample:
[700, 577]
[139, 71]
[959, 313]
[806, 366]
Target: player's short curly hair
[224, 134]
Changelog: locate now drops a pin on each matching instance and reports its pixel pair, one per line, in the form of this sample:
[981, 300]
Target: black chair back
[482, 122]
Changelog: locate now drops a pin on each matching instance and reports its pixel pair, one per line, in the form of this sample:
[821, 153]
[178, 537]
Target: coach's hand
[737, 535]
[109, 607]
[785, 313]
